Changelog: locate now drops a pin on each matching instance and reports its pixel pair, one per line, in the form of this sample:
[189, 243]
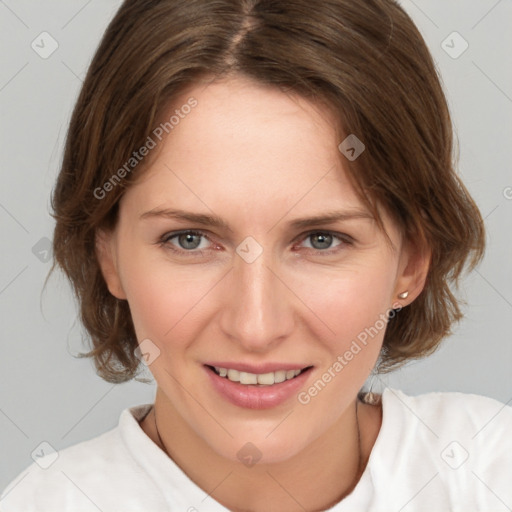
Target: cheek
[350, 303]
[164, 300]
[354, 306]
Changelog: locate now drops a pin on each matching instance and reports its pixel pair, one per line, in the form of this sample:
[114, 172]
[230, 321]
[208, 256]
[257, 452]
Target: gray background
[45, 393]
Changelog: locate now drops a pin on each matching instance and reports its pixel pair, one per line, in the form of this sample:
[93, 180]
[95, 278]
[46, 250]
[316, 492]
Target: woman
[257, 202]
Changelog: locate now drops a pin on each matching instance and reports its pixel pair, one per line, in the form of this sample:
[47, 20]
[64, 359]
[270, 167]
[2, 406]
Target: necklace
[359, 449]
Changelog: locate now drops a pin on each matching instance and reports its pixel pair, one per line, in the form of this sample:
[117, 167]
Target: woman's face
[255, 287]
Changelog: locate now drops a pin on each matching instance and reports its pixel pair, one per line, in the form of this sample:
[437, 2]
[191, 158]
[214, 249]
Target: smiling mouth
[260, 379]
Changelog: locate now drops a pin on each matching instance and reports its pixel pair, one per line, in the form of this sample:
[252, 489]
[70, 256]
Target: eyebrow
[215, 221]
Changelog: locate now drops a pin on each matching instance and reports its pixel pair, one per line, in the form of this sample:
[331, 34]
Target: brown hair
[366, 60]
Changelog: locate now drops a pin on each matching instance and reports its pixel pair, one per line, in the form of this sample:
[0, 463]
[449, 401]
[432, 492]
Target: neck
[314, 479]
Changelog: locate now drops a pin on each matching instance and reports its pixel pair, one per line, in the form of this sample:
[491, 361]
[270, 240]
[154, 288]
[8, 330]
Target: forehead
[253, 126]
[244, 131]
[247, 151]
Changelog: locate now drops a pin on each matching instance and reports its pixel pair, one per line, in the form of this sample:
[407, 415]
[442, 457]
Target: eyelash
[164, 242]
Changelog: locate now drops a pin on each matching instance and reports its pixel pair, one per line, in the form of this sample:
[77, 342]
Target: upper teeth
[253, 378]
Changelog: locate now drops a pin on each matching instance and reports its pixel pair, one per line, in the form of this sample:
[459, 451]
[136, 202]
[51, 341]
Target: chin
[251, 448]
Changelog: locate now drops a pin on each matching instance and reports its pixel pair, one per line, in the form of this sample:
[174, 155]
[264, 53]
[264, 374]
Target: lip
[251, 396]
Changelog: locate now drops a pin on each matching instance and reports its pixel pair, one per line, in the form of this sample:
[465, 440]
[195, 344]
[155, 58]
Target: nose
[257, 311]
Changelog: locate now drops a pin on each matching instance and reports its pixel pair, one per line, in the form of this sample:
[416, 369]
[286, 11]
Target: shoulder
[457, 444]
[82, 477]
[449, 408]
[459, 419]
[66, 473]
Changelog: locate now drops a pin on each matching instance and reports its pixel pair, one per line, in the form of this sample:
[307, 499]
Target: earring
[403, 295]
[369, 397]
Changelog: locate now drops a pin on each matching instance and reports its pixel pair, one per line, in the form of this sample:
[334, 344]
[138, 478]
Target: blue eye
[188, 241]
[321, 240]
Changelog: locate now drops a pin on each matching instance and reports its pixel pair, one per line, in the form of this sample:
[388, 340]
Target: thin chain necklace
[359, 462]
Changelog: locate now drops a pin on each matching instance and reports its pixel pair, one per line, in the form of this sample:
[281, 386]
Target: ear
[413, 269]
[106, 254]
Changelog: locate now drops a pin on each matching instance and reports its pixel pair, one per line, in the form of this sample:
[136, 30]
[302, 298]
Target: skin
[258, 158]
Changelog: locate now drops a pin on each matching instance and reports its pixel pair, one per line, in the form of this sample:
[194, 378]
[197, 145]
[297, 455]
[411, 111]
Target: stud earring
[403, 295]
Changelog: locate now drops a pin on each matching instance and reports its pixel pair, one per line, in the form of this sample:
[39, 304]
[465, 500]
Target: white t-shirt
[435, 452]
